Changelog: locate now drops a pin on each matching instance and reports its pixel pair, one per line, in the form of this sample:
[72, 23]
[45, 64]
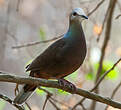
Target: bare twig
[83, 107]
[97, 6]
[11, 102]
[118, 16]
[57, 108]
[28, 106]
[49, 93]
[47, 97]
[38, 42]
[55, 100]
[59, 102]
[54, 84]
[16, 89]
[115, 90]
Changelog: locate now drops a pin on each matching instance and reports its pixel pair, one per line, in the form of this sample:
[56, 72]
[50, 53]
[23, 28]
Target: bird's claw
[65, 83]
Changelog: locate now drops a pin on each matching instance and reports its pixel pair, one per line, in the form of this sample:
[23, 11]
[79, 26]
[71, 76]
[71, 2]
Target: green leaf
[2, 104]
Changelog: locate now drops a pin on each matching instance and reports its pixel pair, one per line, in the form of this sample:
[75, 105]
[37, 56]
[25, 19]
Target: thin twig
[59, 102]
[36, 43]
[16, 90]
[55, 100]
[11, 102]
[28, 106]
[57, 108]
[46, 91]
[118, 16]
[115, 90]
[83, 107]
[47, 97]
[54, 84]
[97, 6]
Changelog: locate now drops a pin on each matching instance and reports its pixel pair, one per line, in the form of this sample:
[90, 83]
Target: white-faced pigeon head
[78, 15]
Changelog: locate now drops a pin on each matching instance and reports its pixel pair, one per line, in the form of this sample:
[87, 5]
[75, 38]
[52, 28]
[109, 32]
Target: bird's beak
[83, 16]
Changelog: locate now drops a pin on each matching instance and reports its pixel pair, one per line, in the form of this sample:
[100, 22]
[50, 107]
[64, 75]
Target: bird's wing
[49, 56]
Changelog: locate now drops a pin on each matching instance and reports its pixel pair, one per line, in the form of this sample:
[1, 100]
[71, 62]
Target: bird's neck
[75, 30]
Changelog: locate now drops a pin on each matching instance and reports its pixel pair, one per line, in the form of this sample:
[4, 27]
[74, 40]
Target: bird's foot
[65, 83]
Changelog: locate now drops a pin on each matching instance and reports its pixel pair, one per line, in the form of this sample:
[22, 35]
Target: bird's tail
[26, 91]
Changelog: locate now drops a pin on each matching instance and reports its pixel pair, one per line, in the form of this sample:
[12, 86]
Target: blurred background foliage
[30, 21]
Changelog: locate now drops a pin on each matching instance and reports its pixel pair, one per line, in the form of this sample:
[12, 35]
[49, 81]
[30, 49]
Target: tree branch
[37, 42]
[4, 77]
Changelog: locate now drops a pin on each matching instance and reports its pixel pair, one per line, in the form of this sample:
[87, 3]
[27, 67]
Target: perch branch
[4, 77]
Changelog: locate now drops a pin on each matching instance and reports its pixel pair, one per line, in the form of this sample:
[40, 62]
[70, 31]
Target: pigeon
[61, 58]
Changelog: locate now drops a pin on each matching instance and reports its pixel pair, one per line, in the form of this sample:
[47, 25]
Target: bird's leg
[65, 83]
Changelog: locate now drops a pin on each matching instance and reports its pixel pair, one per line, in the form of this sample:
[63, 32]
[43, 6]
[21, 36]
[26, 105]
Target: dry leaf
[97, 29]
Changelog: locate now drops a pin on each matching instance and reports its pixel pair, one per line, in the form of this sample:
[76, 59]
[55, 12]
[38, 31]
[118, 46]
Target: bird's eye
[74, 14]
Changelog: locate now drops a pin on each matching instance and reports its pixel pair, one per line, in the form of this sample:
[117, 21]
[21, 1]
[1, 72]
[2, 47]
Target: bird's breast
[73, 56]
